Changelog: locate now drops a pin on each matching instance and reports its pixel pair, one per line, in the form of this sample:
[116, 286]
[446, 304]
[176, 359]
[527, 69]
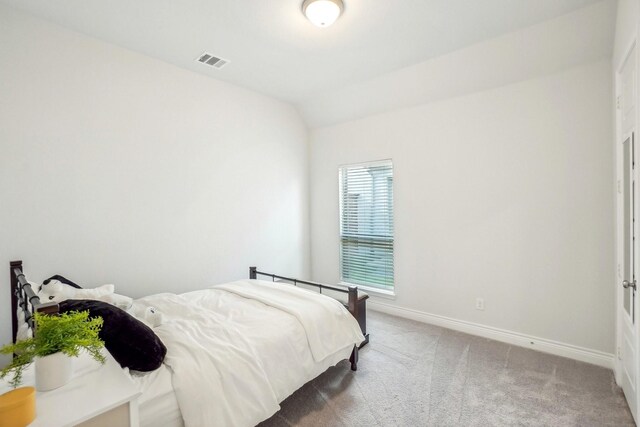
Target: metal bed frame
[23, 296]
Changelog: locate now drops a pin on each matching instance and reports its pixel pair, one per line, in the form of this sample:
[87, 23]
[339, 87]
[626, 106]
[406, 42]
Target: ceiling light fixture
[322, 13]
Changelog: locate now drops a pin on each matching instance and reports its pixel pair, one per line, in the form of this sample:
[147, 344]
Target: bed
[234, 351]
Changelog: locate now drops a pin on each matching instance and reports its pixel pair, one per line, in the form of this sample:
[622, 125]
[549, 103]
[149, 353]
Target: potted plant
[56, 341]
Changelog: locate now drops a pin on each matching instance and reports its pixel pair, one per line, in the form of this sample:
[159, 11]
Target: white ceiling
[575, 39]
[273, 49]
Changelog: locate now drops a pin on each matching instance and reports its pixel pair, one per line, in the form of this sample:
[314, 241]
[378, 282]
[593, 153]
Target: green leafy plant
[68, 333]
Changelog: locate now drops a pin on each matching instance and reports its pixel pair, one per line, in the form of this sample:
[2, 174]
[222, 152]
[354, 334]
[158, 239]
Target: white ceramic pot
[53, 371]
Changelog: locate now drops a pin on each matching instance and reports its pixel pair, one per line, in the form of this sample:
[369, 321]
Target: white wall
[117, 168]
[505, 194]
[626, 27]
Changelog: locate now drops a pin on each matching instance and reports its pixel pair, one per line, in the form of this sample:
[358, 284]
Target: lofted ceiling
[274, 50]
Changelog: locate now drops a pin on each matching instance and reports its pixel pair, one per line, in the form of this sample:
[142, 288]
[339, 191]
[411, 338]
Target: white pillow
[56, 291]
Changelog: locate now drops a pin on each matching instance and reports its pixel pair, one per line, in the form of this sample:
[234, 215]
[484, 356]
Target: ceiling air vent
[212, 61]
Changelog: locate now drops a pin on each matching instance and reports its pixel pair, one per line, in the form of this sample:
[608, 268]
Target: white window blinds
[366, 224]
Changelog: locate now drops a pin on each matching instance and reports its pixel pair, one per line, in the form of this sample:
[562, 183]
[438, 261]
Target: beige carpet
[413, 374]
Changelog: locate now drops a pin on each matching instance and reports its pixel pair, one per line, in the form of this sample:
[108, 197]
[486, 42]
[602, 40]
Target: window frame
[370, 288]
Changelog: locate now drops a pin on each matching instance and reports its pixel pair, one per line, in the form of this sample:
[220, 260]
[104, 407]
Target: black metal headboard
[25, 298]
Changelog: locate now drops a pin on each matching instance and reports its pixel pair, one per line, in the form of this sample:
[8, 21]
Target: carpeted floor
[413, 374]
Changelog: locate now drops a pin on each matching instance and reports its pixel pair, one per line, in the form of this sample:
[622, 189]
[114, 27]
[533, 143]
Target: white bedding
[233, 358]
[327, 324]
[157, 404]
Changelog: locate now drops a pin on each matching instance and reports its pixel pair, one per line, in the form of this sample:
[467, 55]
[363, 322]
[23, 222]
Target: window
[366, 224]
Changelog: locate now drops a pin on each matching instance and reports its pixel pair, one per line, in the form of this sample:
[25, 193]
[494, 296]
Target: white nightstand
[97, 395]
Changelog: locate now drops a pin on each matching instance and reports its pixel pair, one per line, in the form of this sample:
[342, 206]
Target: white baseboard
[582, 354]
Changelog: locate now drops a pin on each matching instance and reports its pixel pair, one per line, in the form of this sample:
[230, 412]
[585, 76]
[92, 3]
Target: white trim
[378, 292]
[382, 162]
[582, 354]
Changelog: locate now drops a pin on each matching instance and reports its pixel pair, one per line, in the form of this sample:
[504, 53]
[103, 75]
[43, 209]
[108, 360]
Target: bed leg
[354, 358]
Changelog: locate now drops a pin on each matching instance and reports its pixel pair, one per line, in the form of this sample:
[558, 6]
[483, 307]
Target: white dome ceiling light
[322, 13]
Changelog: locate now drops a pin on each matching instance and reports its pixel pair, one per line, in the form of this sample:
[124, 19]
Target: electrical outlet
[479, 303]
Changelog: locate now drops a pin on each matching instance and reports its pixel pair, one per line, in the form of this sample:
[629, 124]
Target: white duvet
[237, 350]
[327, 324]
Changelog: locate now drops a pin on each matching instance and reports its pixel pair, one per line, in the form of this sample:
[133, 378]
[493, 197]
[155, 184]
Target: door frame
[620, 136]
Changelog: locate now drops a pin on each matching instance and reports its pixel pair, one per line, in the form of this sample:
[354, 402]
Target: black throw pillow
[63, 280]
[132, 343]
